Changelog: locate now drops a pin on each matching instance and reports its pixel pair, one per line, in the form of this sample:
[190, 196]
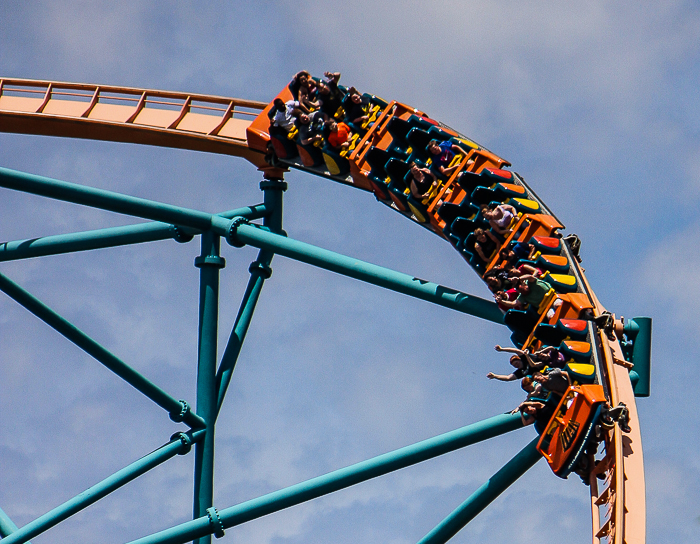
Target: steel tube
[238, 333]
[177, 445]
[209, 264]
[108, 200]
[259, 271]
[340, 479]
[370, 273]
[87, 344]
[111, 237]
[7, 526]
[483, 496]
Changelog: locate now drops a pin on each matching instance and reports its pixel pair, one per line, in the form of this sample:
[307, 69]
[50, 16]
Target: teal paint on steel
[111, 237]
[176, 409]
[259, 271]
[339, 479]
[370, 273]
[482, 497]
[7, 526]
[84, 241]
[209, 263]
[639, 329]
[106, 200]
[257, 237]
[178, 445]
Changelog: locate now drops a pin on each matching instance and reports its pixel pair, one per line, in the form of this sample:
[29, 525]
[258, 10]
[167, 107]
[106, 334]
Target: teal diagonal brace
[242, 233]
[334, 481]
[111, 237]
[259, 271]
[179, 444]
[7, 526]
[178, 410]
[483, 496]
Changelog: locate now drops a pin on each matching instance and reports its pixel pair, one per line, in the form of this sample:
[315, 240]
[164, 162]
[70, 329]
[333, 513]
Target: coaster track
[241, 128]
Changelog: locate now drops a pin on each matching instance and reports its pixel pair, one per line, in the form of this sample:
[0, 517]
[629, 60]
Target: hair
[526, 383]
[478, 232]
[517, 358]
[279, 103]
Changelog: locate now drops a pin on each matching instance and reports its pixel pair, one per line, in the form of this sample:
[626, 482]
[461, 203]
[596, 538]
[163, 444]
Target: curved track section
[376, 161]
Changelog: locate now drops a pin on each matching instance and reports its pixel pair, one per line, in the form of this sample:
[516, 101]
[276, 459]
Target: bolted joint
[277, 184]
[215, 522]
[209, 260]
[185, 440]
[231, 238]
[262, 270]
[179, 417]
[181, 236]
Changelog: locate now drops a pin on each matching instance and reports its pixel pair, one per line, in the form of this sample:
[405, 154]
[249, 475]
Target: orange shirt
[336, 139]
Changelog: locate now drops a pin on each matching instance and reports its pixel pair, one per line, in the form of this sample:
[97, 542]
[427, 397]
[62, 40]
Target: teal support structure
[179, 444]
[237, 232]
[260, 270]
[485, 495]
[182, 224]
[243, 233]
[638, 332]
[111, 237]
[216, 521]
[209, 263]
[179, 410]
[7, 526]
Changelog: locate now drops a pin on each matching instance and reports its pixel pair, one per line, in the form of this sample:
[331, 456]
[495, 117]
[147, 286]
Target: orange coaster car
[571, 428]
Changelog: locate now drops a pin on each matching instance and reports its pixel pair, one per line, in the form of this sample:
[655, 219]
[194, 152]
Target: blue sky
[595, 105]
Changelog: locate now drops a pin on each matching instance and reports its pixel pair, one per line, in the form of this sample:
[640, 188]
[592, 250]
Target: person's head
[333, 126]
[526, 384]
[505, 253]
[356, 98]
[434, 147]
[516, 362]
[480, 235]
[323, 88]
[304, 119]
[279, 104]
[494, 284]
[303, 77]
[523, 287]
[488, 214]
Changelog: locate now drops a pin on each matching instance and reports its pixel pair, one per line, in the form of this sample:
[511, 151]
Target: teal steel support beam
[7, 526]
[179, 444]
[242, 233]
[237, 233]
[111, 237]
[216, 521]
[485, 495]
[209, 263]
[178, 410]
[260, 270]
[107, 200]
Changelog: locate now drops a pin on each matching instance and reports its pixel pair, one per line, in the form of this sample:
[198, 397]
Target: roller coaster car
[572, 428]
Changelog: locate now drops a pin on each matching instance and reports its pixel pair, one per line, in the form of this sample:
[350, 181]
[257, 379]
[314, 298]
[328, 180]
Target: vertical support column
[209, 264]
[260, 270]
